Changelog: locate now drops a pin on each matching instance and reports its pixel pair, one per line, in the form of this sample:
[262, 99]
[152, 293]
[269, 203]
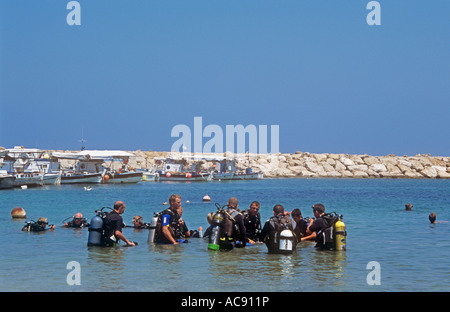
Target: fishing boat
[6, 180]
[248, 175]
[16, 162]
[83, 171]
[115, 165]
[170, 169]
[149, 174]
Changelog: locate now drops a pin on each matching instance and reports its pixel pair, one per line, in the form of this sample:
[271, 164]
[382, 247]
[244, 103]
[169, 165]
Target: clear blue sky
[135, 69]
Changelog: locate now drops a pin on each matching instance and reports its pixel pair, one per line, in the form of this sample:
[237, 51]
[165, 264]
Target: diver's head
[318, 210]
[278, 209]
[254, 208]
[78, 218]
[42, 222]
[233, 203]
[432, 217]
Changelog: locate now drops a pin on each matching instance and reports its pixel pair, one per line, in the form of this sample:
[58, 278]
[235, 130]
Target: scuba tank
[286, 243]
[339, 234]
[216, 232]
[332, 237]
[95, 237]
[152, 229]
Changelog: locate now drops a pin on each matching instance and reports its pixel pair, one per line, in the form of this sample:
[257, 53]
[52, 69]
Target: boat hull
[248, 176]
[124, 177]
[185, 177]
[81, 178]
[6, 182]
[27, 179]
[223, 176]
[51, 178]
[147, 176]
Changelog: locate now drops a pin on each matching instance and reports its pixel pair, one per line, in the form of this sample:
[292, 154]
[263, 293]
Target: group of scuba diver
[228, 227]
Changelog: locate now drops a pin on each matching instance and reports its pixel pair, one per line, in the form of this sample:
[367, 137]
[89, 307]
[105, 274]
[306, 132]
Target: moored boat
[116, 177]
[6, 180]
[170, 169]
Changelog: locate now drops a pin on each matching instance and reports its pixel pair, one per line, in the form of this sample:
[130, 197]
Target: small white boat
[170, 169]
[150, 176]
[223, 176]
[6, 180]
[248, 176]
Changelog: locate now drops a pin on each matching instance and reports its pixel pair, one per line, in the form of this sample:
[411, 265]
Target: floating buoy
[18, 213]
[187, 202]
[105, 178]
[164, 203]
[168, 174]
[188, 175]
[206, 198]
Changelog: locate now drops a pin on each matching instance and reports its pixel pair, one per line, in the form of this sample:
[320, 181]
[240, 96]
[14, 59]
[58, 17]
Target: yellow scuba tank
[340, 234]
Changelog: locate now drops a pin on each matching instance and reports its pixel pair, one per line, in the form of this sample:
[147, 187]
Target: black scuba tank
[95, 237]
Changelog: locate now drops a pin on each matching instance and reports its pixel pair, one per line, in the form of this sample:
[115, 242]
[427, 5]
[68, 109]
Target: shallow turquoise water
[413, 254]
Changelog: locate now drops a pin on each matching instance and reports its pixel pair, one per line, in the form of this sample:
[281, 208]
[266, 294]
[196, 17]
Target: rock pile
[327, 165]
[303, 164]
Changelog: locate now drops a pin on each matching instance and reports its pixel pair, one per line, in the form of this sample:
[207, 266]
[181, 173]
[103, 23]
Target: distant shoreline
[324, 165]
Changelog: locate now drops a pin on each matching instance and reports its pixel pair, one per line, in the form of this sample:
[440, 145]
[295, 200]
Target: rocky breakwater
[351, 166]
[309, 165]
[303, 164]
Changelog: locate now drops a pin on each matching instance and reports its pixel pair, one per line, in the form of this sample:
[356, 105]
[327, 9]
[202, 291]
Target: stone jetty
[309, 165]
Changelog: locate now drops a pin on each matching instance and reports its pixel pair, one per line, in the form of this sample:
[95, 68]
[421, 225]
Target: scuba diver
[168, 223]
[112, 226]
[138, 223]
[227, 227]
[278, 232]
[252, 222]
[182, 230]
[327, 230]
[38, 226]
[77, 222]
[234, 223]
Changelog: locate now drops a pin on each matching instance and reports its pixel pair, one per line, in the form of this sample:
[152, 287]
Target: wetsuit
[33, 227]
[169, 218]
[252, 225]
[111, 223]
[272, 229]
[72, 224]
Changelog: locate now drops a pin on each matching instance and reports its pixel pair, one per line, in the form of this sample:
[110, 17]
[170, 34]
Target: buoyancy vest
[275, 240]
[173, 225]
[325, 237]
[230, 228]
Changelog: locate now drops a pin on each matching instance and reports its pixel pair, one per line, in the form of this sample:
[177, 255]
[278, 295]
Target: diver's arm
[168, 235]
[120, 236]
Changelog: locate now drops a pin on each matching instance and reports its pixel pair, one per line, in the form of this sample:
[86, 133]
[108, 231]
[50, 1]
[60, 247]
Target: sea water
[412, 254]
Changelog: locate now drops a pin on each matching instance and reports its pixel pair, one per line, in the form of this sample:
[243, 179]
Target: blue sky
[135, 69]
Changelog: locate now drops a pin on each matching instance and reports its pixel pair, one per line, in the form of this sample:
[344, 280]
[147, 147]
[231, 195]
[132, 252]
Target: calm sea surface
[413, 254]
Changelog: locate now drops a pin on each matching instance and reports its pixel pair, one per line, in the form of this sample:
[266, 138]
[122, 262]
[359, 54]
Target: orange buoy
[18, 213]
[105, 178]
[188, 175]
